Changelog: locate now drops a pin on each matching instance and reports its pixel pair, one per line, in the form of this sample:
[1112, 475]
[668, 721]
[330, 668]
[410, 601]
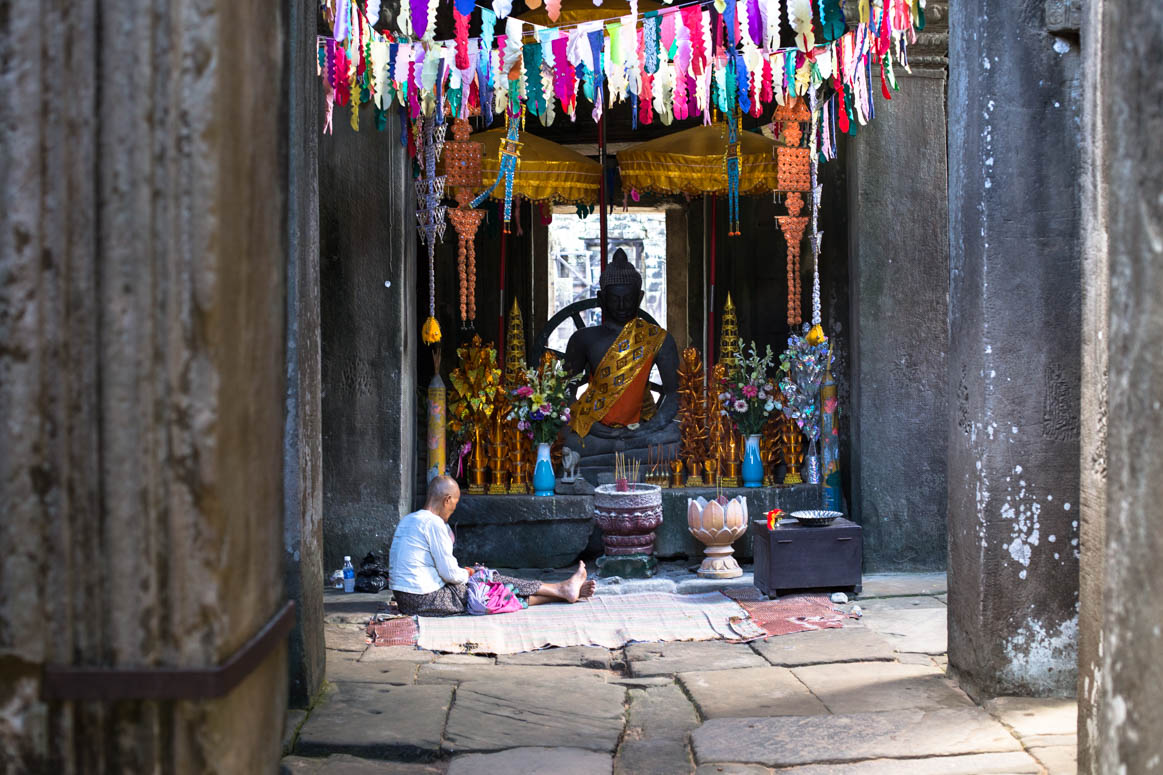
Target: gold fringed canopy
[578, 11]
[692, 162]
[547, 172]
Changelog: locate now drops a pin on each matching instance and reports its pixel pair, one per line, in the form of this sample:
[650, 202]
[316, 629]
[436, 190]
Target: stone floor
[869, 699]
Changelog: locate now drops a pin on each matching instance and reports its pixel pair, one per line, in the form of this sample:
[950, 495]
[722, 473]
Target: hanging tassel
[430, 333]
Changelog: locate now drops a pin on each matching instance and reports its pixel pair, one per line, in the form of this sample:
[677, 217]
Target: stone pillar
[1095, 339]
[303, 456]
[142, 252]
[1014, 364]
[899, 257]
[1127, 726]
[367, 231]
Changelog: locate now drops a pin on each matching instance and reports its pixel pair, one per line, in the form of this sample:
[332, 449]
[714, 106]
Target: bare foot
[587, 589]
[571, 588]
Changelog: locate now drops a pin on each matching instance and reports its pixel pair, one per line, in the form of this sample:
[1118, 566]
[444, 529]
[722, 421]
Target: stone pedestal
[627, 566]
[522, 531]
[1013, 425]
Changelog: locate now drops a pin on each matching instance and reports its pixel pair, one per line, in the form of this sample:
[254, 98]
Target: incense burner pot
[628, 517]
[718, 524]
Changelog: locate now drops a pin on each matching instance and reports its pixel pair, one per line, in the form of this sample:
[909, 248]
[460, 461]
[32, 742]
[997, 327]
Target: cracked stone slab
[653, 757]
[731, 768]
[1014, 763]
[397, 654]
[1031, 717]
[662, 712]
[453, 673]
[750, 692]
[900, 603]
[464, 659]
[916, 630]
[377, 721]
[294, 720]
[818, 647]
[866, 687]
[343, 764]
[345, 637]
[1058, 759]
[569, 656]
[780, 741]
[683, 657]
[533, 761]
[496, 713]
[901, 584]
[341, 667]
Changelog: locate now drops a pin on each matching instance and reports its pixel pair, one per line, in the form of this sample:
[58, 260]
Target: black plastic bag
[372, 575]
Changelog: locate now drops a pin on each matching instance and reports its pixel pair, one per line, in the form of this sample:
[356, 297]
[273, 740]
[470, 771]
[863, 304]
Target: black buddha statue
[617, 412]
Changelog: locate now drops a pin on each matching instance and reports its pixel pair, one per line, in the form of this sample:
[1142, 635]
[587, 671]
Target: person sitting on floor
[425, 577]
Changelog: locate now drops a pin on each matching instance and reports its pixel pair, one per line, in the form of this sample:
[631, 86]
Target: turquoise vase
[544, 482]
[752, 463]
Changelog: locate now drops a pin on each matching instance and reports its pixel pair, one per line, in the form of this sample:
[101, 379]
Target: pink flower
[546, 409]
[750, 391]
[740, 406]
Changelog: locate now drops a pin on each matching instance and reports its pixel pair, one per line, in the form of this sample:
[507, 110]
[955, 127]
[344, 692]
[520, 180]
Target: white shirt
[421, 559]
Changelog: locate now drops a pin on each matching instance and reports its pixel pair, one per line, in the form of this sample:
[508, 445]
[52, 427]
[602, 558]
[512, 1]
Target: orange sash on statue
[614, 395]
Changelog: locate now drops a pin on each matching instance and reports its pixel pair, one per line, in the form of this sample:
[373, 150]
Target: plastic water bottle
[348, 575]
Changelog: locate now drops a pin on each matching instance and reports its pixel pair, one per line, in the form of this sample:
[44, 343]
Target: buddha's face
[620, 303]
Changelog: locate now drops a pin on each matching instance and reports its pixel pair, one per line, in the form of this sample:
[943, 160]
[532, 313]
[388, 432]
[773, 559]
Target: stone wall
[899, 257]
[142, 250]
[367, 237]
[1015, 339]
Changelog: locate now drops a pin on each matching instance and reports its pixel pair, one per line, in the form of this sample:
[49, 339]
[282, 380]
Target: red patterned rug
[795, 613]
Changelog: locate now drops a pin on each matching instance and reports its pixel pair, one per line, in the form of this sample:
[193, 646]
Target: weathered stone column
[1125, 733]
[1095, 341]
[899, 267]
[142, 253]
[367, 226]
[303, 454]
[1015, 321]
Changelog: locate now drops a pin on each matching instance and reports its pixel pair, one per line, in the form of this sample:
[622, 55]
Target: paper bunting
[666, 64]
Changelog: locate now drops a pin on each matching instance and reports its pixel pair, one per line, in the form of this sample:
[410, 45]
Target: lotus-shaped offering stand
[718, 524]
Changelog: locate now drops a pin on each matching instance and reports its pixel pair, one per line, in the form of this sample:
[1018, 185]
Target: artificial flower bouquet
[748, 396]
[802, 368]
[541, 404]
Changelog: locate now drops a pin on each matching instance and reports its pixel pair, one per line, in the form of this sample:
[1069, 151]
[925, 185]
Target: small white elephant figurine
[569, 461]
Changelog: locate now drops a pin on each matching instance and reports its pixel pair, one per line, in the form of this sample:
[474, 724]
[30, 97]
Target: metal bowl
[816, 517]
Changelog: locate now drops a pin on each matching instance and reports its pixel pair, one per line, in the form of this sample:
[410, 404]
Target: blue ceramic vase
[752, 463]
[544, 482]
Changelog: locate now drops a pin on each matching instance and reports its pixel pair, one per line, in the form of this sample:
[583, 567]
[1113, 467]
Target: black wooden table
[796, 557]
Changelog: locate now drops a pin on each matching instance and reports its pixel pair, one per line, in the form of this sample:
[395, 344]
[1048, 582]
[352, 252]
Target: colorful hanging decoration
[665, 61]
[795, 176]
[732, 159]
[817, 332]
[509, 156]
[430, 216]
[462, 169]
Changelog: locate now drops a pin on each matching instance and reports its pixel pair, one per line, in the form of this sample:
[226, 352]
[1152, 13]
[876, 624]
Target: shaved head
[443, 495]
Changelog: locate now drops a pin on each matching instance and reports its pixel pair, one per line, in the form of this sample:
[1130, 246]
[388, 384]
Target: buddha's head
[620, 290]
